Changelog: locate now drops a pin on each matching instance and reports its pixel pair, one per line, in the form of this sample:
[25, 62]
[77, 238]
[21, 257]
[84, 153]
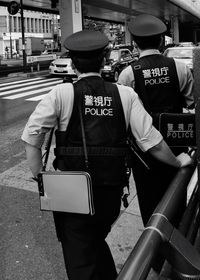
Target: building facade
[36, 25]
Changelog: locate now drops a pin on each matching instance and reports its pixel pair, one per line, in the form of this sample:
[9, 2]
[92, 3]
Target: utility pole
[10, 30]
[23, 39]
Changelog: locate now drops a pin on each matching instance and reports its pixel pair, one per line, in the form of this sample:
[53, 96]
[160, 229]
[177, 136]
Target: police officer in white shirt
[164, 85]
[107, 109]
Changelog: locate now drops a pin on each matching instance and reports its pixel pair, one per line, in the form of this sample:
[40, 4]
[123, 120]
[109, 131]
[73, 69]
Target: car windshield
[179, 53]
[114, 55]
[65, 55]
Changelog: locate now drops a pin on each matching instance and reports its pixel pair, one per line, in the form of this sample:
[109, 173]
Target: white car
[62, 66]
[182, 53]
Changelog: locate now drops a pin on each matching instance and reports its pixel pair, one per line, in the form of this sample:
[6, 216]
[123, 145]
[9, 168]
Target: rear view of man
[103, 111]
[164, 85]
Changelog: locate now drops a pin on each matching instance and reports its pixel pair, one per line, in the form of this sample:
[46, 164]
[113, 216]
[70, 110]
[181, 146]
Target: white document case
[66, 191]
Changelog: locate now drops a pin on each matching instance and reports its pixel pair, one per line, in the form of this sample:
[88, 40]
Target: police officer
[107, 110]
[164, 85]
[167, 83]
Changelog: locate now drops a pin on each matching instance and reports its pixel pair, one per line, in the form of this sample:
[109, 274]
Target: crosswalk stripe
[30, 82]
[25, 93]
[20, 95]
[36, 98]
[21, 81]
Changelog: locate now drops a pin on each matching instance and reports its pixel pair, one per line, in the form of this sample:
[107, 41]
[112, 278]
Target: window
[32, 25]
[114, 55]
[125, 55]
[15, 25]
[47, 26]
[3, 24]
[40, 25]
[28, 24]
[20, 25]
[36, 25]
[43, 26]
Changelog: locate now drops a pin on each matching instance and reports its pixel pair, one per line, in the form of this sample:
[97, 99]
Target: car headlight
[107, 67]
[52, 64]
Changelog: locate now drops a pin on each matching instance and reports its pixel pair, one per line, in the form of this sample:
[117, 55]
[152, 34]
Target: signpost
[13, 8]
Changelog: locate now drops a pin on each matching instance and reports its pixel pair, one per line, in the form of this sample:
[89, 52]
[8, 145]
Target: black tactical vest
[105, 131]
[157, 84]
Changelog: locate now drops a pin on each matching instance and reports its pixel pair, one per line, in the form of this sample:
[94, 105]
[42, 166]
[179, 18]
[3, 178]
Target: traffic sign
[13, 7]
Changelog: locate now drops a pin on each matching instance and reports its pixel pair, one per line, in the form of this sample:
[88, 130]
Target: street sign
[13, 8]
[36, 59]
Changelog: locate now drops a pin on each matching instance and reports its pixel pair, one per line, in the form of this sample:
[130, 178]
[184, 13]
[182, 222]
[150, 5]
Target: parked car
[62, 66]
[182, 53]
[116, 62]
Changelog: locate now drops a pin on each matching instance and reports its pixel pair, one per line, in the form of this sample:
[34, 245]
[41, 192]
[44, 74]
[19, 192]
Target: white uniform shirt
[185, 77]
[56, 108]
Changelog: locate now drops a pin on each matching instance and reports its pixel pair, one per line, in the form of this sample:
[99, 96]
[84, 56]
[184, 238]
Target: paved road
[18, 97]
[29, 249]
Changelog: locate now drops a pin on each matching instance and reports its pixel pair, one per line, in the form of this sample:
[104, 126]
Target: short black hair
[150, 42]
[88, 61]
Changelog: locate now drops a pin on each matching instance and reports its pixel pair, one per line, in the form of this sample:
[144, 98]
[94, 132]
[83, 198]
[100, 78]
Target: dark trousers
[151, 185]
[86, 253]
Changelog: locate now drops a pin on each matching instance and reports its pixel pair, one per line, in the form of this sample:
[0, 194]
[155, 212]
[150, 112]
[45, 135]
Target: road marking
[36, 98]
[21, 81]
[25, 93]
[20, 95]
[29, 82]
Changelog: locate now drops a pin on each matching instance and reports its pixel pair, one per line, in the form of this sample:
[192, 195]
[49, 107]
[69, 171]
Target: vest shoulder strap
[137, 71]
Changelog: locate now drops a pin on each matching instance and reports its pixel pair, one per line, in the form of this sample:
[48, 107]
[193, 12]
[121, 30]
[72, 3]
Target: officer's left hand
[184, 159]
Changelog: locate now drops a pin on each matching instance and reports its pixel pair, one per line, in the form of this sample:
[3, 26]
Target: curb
[18, 75]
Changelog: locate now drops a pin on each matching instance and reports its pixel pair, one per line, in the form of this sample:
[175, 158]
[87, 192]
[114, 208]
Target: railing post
[160, 231]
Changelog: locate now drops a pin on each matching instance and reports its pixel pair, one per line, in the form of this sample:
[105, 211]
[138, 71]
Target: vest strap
[92, 151]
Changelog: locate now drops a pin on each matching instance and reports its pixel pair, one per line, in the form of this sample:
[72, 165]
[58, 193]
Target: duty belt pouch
[66, 191]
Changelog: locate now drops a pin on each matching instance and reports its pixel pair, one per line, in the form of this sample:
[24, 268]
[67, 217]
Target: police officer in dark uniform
[107, 110]
[164, 85]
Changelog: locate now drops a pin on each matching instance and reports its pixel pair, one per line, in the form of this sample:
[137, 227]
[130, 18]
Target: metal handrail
[158, 231]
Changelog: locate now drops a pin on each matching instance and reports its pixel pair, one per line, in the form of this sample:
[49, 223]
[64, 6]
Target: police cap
[86, 40]
[146, 25]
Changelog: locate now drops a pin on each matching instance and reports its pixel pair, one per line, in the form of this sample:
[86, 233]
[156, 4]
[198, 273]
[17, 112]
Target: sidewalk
[126, 230]
[29, 249]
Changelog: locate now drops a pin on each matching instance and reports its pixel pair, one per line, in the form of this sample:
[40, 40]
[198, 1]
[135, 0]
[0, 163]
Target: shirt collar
[149, 52]
[83, 75]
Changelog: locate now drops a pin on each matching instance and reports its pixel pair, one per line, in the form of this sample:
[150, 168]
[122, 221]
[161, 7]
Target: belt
[92, 151]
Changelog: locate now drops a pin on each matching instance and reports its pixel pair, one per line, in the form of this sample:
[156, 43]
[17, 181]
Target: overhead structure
[181, 15]
[190, 6]
[186, 10]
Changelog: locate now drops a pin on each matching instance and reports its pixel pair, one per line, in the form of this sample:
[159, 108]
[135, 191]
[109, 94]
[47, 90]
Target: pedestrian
[164, 85]
[6, 52]
[107, 110]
